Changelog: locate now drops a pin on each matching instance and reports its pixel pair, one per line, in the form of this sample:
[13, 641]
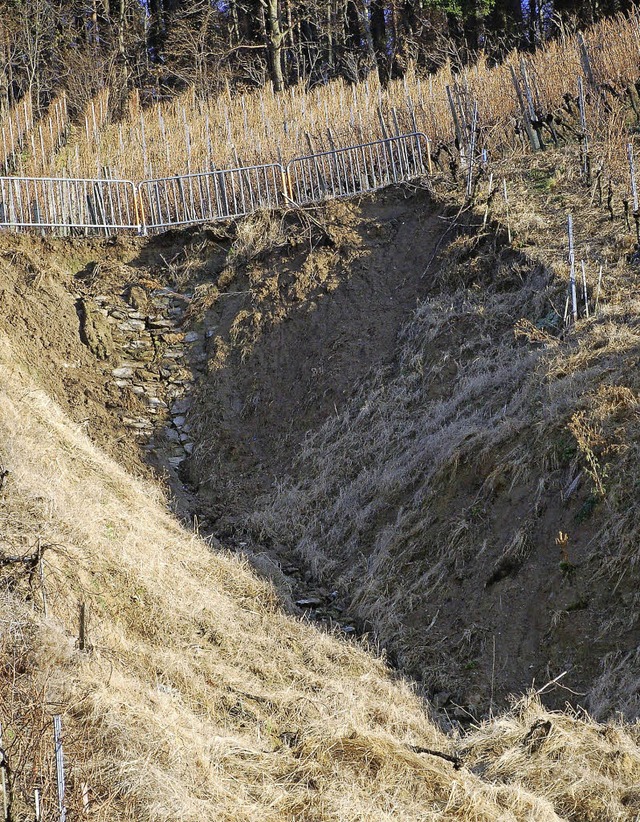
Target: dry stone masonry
[157, 361]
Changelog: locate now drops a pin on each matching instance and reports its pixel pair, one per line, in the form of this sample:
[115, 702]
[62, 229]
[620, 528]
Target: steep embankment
[469, 491]
[191, 693]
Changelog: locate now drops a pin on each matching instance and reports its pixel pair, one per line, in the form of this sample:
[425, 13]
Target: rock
[191, 337]
[440, 699]
[181, 406]
[181, 379]
[94, 329]
[348, 629]
[123, 372]
[138, 344]
[132, 325]
[160, 322]
[179, 421]
[118, 314]
[172, 337]
[175, 462]
[175, 392]
[136, 315]
[309, 602]
[172, 435]
[174, 353]
[155, 402]
[188, 447]
[138, 298]
[143, 374]
[137, 422]
[139, 390]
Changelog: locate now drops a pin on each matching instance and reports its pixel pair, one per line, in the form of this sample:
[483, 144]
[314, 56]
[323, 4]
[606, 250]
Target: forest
[164, 46]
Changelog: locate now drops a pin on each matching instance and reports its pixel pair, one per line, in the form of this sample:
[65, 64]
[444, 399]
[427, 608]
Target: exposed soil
[313, 426]
[293, 333]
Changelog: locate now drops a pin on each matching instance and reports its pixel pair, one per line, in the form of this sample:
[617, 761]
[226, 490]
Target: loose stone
[132, 325]
[123, 372]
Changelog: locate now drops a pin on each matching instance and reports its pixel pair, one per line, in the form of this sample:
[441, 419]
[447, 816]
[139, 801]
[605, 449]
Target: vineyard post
[529, 98]
[6, 810]
[526, 121]
[584, 289]
[586, 62]
[586, 164]
[472, 148]
[506, 203]
[57, 737]
[456, 125]
[634, 190]
[595, 308]
[572, 268]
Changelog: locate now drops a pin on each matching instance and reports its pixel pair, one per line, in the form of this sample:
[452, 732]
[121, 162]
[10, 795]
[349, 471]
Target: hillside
[329, 512]
[429, 495]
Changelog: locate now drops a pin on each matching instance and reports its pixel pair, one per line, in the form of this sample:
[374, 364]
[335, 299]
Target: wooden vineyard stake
[586, 164]
[634, 190]
[595, 308]
[472, 148]
[572, 270]
[584, 289]
[57, 738]
[533, 117]
[6, 803]
[86, 801]
[585, 61]
[506, 203]
[489, 193]
[526, 121]
[456, 125]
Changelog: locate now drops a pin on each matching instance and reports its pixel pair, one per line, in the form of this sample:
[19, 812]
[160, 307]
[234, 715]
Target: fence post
[57, 738]
[634, 189]
[572, 269]
[586, 167]
[6, 809]
[472, 148]
[526, 120]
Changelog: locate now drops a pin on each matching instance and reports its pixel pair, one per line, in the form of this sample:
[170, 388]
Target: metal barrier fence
[103, 206]
[68, 205]
[212, 195]
[344, 172]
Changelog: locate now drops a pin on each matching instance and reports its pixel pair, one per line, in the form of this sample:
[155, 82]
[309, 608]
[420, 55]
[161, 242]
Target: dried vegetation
[495, 458]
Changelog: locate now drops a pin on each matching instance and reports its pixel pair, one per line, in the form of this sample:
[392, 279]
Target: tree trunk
[274, 38]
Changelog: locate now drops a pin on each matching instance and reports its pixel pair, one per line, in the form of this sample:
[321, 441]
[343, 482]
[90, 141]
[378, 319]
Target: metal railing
[67, 205]
[212, 195]
[344, 172]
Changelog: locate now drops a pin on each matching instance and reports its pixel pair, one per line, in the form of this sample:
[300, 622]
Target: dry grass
[189, 134]
[200, 699]
[447, 475]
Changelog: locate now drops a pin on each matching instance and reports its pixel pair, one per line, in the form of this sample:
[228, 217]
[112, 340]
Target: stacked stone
[158, 362]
